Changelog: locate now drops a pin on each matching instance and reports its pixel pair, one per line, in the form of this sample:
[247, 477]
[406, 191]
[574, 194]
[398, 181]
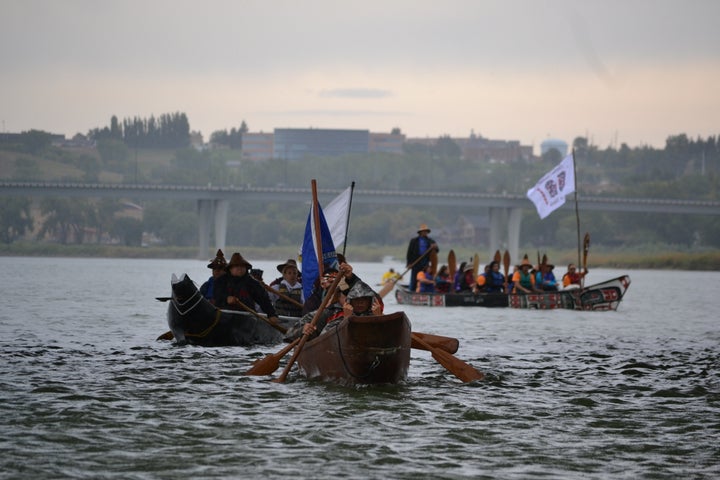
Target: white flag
[549, 192]
[336, 215]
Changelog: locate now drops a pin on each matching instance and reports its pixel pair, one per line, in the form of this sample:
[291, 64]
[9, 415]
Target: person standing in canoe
[238, 286]
[417, 247]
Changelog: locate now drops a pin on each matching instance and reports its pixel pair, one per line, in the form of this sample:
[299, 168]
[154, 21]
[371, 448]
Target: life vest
[286, 307]
[494, 282]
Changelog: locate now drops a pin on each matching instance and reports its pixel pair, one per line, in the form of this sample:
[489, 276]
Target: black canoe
[601, 296]
[194, 320]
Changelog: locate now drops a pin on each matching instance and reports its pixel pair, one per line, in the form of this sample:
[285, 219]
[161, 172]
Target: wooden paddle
[433, 262]
[281, 295]
[387, 288]
[303, 339]
[270, 363]
[452, 264]
[277, 327]
[476, 265]
[447, 344]
[462, 370]
[506, 266]
[586, 247]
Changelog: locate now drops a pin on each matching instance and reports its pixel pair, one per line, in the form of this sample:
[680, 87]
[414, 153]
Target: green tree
[15, 218]
[35, 141]
[66, 219]
[129, 230]
[113, 152]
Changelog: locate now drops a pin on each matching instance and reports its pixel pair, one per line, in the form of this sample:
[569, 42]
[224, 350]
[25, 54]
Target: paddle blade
[462, 370]
[447, 344]
[452, 364]
[387, 288]
[267, 365]
[166, 336]
[452, 263]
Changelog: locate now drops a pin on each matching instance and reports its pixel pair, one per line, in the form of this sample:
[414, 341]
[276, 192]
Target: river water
[87, 392]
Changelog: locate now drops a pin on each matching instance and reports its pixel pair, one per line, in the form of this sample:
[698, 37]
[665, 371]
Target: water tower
[556, 144]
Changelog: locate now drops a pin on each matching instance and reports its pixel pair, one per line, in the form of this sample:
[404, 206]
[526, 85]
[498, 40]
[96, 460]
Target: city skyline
[615, 72]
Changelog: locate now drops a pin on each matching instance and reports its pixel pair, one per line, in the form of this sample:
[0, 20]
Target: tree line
[169, 130]
[686, 168]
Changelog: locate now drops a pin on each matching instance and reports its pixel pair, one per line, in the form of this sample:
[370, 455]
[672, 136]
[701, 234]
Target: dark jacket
[245, 288]
[413, 251]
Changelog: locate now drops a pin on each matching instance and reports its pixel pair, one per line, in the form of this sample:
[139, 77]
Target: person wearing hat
[238, 288]
[523, 280]
[218, 265]
[290, 296]
[320, 288]
[334, 309]
[545, 279]
[362, 301]
[417, 247]
[467, 279]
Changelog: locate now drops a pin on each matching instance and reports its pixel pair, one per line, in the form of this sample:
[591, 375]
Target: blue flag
[310, 258]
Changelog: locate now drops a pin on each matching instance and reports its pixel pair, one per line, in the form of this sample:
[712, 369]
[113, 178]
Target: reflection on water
[88, 392]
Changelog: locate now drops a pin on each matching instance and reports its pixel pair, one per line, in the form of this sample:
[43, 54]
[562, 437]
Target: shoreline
[655, 258]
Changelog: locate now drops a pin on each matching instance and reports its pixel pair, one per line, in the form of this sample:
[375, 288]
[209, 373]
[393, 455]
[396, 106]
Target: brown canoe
[360, 350]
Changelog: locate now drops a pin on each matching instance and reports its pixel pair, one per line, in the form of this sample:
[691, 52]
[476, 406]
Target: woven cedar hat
[423, 228]
[238, 259]
[219, 262]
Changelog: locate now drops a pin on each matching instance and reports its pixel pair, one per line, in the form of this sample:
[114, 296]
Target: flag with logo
[549, 192]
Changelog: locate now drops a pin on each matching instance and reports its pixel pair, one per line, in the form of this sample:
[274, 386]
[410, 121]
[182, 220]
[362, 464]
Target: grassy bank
[638, 258]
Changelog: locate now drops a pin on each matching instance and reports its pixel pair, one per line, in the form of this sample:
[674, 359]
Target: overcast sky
[617, 71]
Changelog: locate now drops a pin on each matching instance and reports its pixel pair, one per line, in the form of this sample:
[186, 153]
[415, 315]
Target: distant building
[554, 144]
[257, 146]
[298, 143]
[386, 143]
[478, 148]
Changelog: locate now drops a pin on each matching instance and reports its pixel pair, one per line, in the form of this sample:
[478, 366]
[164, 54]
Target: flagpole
[577, 212]
[347, 222]
[316, 221]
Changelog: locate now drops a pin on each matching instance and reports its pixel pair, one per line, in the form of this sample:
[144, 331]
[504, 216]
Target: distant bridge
[213, 203]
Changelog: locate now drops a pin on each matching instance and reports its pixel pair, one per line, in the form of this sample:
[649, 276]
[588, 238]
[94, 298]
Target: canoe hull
[360, 350]
[194, 320]
[599, 297]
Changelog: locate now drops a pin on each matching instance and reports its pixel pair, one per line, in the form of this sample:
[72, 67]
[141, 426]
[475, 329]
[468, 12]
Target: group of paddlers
[525, 278]
[235, 285]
